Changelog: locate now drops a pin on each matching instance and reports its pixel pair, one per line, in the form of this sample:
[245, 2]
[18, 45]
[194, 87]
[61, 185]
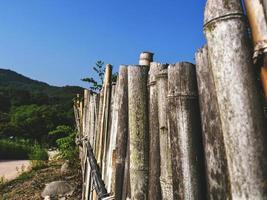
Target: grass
[14, 149]
[20, 149]
[29, 185]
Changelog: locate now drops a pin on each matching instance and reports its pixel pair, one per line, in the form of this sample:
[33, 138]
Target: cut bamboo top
[146, 58]
[217, 9]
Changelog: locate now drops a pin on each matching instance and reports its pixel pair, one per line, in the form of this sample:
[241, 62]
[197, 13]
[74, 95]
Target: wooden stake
[240, 109]
[218, 184]
[154, 147]
[138, 131]
[122, 131]
[164, 135]
[185, 131]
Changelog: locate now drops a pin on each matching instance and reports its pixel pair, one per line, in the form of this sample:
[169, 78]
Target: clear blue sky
[57, 41]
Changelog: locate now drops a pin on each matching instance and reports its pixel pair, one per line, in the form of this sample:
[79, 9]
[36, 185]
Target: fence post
[146, 58]
[122, 130]
[258, 23]
[218, 185]
[138, 131]
[238, 98]
[154, 191]
[185, 131]
[164, 136]
[104, 116]
[111, 140]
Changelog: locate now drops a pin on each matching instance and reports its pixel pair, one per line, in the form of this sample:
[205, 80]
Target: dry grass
[29, 185]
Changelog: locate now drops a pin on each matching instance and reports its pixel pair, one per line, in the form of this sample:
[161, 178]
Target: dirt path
[10, 169]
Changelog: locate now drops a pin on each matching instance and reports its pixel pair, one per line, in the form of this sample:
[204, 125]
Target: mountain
[13, 80]
[29, 108]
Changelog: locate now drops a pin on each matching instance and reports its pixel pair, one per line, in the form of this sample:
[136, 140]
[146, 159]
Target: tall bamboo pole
[108, 87]
[185, 131]
[111, 140]
[138, 131]
[122, 131]
[164, 135]
[154, 147]
[218, 184]
[104, 116]
[238, 98]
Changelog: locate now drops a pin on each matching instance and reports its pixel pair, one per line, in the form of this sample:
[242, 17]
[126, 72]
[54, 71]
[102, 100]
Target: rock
[57, 188]
[64, 168]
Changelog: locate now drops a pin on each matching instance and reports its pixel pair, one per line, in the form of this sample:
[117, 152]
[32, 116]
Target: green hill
[13, 80]
[29, 108]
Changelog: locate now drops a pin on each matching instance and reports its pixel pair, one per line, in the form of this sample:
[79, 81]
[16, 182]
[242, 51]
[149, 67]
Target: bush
[38, 157]
[67, 147]
[20, 149]
[14, 149]
[38, 153]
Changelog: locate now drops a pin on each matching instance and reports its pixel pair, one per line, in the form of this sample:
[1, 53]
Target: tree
[100, 70]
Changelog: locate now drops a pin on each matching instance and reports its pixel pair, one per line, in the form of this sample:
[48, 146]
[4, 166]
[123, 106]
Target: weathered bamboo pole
[138, 131]
[86, 135]
[76, 114]
[111, 140]
[164, 136]
[108, 86]
[258, 23]
[99, 118]
[100, 113]
[185, 131]
[154, 189]
[218, 185]
[126, 190]
[96, 111]
[238, 98]
[122, 131]
[146, 58]
[105, 115]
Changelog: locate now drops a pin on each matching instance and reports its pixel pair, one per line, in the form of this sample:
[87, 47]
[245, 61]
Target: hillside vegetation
[30, 109]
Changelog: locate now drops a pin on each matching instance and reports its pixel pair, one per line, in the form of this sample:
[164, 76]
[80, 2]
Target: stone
[57, 188]
[64, 168]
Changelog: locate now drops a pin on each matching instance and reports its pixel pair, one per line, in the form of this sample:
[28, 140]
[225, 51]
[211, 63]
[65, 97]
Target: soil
[29, 185]
[9, 169]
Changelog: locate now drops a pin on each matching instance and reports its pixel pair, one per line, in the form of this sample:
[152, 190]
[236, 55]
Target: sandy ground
[10, 169]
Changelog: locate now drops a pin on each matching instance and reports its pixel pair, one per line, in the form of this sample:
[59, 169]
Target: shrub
[67, 147]
[14, 149]
[38, 157]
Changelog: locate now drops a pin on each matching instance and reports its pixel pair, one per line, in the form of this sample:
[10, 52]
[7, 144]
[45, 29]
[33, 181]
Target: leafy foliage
[99, 69]
[14, 149]
[30, 109]
[67, 147]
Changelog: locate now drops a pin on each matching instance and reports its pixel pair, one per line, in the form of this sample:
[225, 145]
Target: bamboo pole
[107, 122]
[138, 131]
[95, 111]
[218, 185]
[258, 23]
[122, 131]
[111, 139]
[238, 98]
[164, 136]
[99, 119]
[104, 117]
[185, 131]
[126, 190]
[154, 189]
[146, 58]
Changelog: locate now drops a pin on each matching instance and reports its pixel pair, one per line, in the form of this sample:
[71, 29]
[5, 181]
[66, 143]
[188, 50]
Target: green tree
[67, 147]
[36, 121]
[96, 83]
